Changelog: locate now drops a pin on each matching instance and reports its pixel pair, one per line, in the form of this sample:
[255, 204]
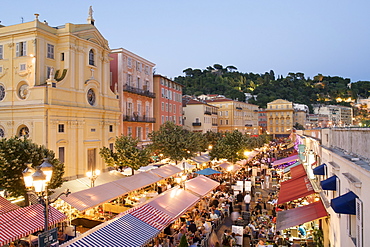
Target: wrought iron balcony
[138, 91]
[136, 118]
[197, 124]
[239, 108]
[207, 112]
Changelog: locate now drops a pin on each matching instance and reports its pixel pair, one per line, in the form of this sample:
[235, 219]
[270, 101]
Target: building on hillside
[317, 121]
[199, 116]
[338, 115]
[262, 120]
[300, 114]
[250, 117]
[132, 79]
[54, 84]
[280, 118]
[363, 102]
[341, 176]
[235, 115]
[168, 104]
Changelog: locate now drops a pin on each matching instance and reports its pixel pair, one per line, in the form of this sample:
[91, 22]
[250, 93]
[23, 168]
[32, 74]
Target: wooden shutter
[17, 50]
[358, 223]
[24, 48]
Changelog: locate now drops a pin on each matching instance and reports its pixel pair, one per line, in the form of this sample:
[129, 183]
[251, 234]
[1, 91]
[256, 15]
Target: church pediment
[94, 36]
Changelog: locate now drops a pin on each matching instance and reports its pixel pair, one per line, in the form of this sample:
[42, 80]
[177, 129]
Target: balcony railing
[214, 113]
[134, 118]
[214, 124]
[197, 124]
[207, 112]
[138, 91]
[239, 108]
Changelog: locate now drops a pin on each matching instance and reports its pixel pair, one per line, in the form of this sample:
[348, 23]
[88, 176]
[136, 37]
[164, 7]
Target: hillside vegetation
[295, 87]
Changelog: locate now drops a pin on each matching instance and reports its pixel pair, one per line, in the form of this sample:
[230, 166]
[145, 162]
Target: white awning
[201, 185]
[166, 171]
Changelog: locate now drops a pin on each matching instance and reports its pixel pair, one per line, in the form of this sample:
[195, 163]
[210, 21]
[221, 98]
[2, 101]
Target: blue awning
[320, 170]
[345, 204]
[126, 231]
[330, 183]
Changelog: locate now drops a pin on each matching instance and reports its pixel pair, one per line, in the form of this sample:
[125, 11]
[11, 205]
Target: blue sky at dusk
[327, 37]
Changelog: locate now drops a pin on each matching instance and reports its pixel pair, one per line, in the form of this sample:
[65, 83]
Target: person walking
[247, 201]
[239, 197]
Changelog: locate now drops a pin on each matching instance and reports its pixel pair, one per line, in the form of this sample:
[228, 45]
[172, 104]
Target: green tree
[298, 126]
[212, 137]
[231, 147]
[175, 142]
[15, 153]
[126, 154]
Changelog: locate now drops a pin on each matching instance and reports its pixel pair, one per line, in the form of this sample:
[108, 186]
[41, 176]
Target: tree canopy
[175, 142]
[126, 153]
[15, 153]
[232, 145]
[295, 87]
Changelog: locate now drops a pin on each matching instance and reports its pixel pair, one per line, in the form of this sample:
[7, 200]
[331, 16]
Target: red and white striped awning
[6, 206]
[152, 216]
[19, 223]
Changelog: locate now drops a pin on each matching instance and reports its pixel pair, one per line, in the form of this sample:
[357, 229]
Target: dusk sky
[328, 37]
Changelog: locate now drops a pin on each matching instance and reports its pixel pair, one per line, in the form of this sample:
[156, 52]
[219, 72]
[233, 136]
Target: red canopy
[297, 171]
[295, 188]
[300, 215]
[6, 206]
[24, 221]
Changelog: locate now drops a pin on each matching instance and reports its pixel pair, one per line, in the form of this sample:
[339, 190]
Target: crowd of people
[254, 209]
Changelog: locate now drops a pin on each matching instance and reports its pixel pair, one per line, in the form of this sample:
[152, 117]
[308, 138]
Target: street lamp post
[37, 181]
[93, 175]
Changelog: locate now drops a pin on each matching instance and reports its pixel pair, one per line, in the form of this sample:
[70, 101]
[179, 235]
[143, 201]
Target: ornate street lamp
[36, 181]
[93, 175]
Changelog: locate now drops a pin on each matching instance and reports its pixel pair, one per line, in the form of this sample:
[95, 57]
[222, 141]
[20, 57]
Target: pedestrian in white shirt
[247, 201]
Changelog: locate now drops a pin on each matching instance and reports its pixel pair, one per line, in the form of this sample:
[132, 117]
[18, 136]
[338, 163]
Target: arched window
[23, 131]
[91, 57]
[2, 132]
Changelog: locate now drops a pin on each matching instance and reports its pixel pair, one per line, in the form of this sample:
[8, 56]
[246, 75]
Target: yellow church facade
[55, 89]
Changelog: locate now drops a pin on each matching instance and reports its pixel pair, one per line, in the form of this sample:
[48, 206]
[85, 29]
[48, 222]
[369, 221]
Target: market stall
[166, 171]
[24, 221]
[84, 183]
[6, 206]
[296, 216]
[295, 188]
[292, 158]
[145, 221]
[201, 185]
